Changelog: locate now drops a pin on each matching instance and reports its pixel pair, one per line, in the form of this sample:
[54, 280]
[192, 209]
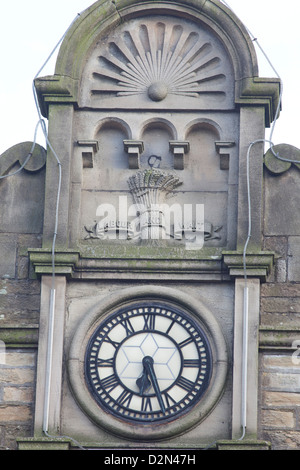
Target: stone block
[283, 439]
[282, 199]
[278, 419]
[294, 259]
[43, 444]
[243, 445]
[15, 413]
[280, 398]
[8, 252]
[287, 382]
[18, 395]
[15, 376]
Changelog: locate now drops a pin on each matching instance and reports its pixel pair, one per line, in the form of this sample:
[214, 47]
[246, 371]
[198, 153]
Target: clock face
[148, 363]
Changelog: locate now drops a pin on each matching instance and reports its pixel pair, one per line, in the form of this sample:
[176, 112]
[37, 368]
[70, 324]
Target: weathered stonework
[150, 93]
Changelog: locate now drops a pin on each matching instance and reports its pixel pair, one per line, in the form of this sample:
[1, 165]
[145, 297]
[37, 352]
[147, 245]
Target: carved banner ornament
[150, 217]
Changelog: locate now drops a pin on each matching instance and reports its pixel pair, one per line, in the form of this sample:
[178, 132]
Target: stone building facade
[153, 105]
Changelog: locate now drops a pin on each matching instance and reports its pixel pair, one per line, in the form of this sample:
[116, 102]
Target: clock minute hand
[148, 366]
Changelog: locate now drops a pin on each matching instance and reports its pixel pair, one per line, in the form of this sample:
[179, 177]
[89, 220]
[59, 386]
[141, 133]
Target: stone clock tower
[149, 311]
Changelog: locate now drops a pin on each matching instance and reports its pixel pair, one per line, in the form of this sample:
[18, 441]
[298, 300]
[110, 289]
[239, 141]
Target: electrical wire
[41, 123]
[28, 156]
[246, 290]
[49, 360]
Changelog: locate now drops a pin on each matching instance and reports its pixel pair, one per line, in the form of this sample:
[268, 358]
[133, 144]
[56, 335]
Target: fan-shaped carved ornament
[161, 61]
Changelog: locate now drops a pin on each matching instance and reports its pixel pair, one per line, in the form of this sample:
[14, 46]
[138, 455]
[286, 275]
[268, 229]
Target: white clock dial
[148, 363]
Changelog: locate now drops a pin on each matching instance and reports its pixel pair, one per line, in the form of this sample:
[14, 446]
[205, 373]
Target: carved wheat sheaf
[158, 60]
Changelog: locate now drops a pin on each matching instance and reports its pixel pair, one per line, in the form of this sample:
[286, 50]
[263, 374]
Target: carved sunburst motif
[159, 59]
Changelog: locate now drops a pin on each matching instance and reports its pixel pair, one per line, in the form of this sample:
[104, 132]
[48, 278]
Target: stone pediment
[159, 62]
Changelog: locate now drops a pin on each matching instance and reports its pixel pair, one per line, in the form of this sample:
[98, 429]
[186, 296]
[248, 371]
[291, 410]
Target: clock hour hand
[143, 382]
[148, 367]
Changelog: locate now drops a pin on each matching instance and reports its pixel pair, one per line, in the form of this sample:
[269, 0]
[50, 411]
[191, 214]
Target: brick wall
[280, 411]
[17, 393]
[279, 415]
[21, 226]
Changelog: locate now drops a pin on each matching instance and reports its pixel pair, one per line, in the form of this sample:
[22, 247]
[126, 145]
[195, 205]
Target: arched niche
[204, 160]
[156, 135]
[111, 134]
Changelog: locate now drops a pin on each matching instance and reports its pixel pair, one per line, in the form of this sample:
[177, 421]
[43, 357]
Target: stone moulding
[63, 87]
[259, 91]
[56, 89]
[19, 337]
[113, 262]
[258, 264]
[278, 338]
[43, 443]
[18, 153]
[277, 166]
[245, 444]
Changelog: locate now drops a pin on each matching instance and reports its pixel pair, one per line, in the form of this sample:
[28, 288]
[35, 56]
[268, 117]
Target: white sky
[29, 30]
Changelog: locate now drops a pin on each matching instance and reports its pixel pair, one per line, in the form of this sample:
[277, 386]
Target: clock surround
[105, 407]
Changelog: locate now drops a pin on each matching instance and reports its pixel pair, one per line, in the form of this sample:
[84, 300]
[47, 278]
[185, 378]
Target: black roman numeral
[146, 404]
[125, 398]
[169, 400]
[128, 326]
[187, 341]
[191, 363]
[115, 344]
[149, 322]
[170, 327]
[109, 383]
[186, 384]
[105, 362]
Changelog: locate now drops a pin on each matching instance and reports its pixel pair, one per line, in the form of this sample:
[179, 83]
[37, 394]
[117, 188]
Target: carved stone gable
[161, 62]
[152, 108]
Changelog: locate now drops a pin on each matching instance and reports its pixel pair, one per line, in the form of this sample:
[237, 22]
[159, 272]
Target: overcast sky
[29, 30]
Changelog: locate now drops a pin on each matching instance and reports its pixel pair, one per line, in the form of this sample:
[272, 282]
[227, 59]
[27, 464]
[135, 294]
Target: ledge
[35, 443]
[151, 262]
[258, 264]
[278, 338]
[243, 445]
[19, 337]
[119, 262]
[258, 91]
[55, 89]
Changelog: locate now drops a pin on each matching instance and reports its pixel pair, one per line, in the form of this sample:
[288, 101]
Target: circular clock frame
[157, 426]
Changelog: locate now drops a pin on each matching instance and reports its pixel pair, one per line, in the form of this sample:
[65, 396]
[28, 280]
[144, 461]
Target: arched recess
[204, 160]
[111, 133]
[156, 135]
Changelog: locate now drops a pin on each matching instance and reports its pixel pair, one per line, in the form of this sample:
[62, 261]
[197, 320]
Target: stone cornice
[19, 336]
[258, 265]
[279, 338]
[55, 89]
[150, 263]
[258, 91]
[143, 263]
